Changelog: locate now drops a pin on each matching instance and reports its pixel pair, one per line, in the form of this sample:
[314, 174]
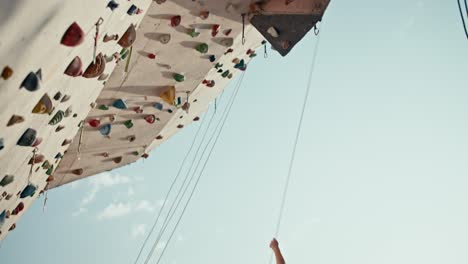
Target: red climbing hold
[18, 209]
[150, 119]
[74, 36]
[75, 67]
[175, 21]
[215, 30]
[152, 56]
[94, 123]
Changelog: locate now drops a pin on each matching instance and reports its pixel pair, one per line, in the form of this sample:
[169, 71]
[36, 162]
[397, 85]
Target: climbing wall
[47, 88]
[183, 57]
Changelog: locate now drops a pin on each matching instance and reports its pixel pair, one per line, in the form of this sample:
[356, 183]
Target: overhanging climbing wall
[41, 106]
[182, 60]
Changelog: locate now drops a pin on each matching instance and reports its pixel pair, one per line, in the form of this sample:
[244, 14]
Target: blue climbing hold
[212, 58]
[105, 130]
[28, 138]
[29, 191]
[112, 5]
[241, 65]
[2, 218]
[158, 106]
[120, 104]
[31, 82]
[132, 10]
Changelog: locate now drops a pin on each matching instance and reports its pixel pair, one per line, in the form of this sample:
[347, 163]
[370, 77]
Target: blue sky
[381, 168]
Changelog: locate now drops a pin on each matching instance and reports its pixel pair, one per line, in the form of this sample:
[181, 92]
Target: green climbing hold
[193, 32]
[124, 53]
[225, 74]
[50, 170]
[57, 118]
[218, 65]
[103, 107]
[128, 124]
[179, 77]
[7, 180]
[136, 153]
[202, 48]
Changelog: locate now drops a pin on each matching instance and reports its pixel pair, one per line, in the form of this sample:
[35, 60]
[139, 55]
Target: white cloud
[144, 206]
[80, 211]
[138, 230]
[115, 210]
[101, 181]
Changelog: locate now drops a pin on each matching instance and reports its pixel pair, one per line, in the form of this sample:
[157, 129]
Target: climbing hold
[105, 129]
[249, 51]
[103, 77]
[58, 156]
[15, 119]
[235, 61]
[151, 56]
[7, 72]
[37, 159]
[253, 55]
[145, 155]
[218, 65]
[59, 128]
[159, 137]
[132, 10]
[46, 165]
[220, 70]
[128, 37]
[105, 154]
[208, 83]
[57, 96]
[103, 107]
[51, 178]
[75, 68]
[175, 21]
[29, 191]
[273, 32]
[68, 111]
[117, 160]
[180, 126]
[150, 119]
[227, 32]
[2, 144]
[158, 106]
[50, 170]
[112, 5]
[78, 171]
[95, 68]
[108, 38]
[44, 106]
[31, 82]
[2, 218]
[212, 58]
[202, 48]
[138, 109]
[227, 42]
[7, 179]
[28, 138]
[57, 118]
[18, 209]
[120, 104]
[168, 95]
[241, 65]
[128, 124]
[193, 32]
[94, 123]
[285, 44]
[131, 138]
[74, 36]
[12, 227]
[160, 1]
[65, 98]
[165, 38]
[204, 14]
[225, 74]
[66, 142]
[215, 30]
[112, 118]
[230, 76]
[196, 118]
[179, 77]
[179, 101]
[136, 153]
[228, 51]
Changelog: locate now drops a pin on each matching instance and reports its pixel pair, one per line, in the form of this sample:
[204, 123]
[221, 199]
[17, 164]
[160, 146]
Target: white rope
[296, 140]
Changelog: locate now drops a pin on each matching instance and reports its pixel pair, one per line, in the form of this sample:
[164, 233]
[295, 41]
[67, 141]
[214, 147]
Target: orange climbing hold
[168, 95]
